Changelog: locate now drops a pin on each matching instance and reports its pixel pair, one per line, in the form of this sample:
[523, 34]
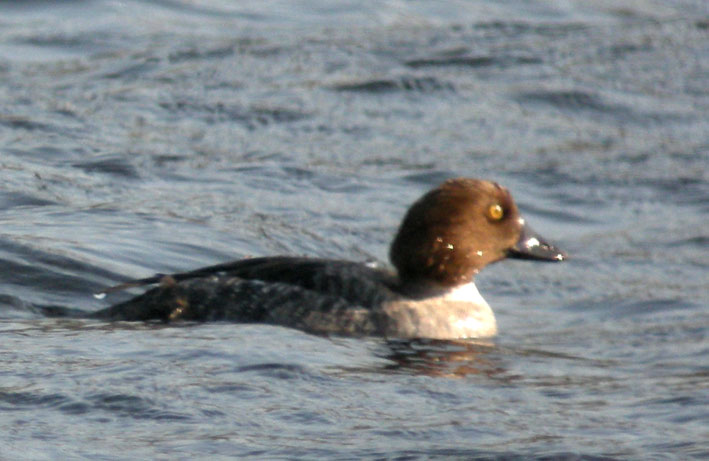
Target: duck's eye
[495, 212]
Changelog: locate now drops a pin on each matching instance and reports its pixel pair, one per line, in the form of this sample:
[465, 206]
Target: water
[151, 136]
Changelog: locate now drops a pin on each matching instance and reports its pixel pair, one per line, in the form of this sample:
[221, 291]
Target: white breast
[453, 314]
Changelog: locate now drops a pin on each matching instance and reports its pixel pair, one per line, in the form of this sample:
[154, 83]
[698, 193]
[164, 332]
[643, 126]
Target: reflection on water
[443, 358]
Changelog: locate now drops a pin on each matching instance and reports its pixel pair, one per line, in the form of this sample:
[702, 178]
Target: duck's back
[315, 295]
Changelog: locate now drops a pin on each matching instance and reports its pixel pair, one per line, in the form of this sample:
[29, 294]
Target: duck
[444, 240]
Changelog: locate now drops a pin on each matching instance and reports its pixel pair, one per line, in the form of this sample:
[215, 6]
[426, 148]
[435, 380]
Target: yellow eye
[495, 212]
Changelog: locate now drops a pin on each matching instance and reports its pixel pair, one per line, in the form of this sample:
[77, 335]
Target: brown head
[456, 229]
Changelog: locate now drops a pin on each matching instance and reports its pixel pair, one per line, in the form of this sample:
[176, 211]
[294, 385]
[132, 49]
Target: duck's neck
[418, 289]
[465, 293]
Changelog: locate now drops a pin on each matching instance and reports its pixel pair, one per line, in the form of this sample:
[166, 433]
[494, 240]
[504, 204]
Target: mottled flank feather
[318, 296]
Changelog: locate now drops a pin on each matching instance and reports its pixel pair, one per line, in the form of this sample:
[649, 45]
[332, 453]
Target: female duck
[445, 239]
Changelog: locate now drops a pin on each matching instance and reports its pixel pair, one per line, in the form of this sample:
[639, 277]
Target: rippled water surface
[153, 136]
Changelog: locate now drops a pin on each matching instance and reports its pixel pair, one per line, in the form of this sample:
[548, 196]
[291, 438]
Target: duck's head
[456, 229]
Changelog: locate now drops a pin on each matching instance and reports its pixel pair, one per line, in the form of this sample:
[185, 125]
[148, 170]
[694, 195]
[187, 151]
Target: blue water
[153, 136]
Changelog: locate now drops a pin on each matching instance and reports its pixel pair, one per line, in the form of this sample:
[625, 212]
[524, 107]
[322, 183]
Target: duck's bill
[533, 246]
